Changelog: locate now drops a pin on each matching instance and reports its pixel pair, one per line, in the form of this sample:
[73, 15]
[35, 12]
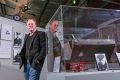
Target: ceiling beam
[43, 10]
[3, 9]
[112, 2]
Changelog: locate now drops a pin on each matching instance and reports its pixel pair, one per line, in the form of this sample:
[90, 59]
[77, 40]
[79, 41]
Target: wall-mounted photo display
[5, 49]
[16, 56]
[101, 61]
[118, 56]
[17, 39]
[6, 32]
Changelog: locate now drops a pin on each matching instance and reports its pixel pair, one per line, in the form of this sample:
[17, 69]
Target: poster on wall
[101, 60]
[17, 39]
[16, 56]
[6, 32]
[5, 49]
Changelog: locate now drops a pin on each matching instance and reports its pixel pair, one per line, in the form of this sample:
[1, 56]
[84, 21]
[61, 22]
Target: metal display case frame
[82, 32]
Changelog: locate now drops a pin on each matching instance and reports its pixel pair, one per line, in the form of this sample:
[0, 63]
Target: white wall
[8, 69]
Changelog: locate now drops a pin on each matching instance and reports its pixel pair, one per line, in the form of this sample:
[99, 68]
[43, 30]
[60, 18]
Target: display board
[5, 49]
[6, 41]
[16, 56]
[17, 39]
[10, 42]
[6, 32]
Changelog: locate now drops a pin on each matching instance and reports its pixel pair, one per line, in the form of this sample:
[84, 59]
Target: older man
[33, 52]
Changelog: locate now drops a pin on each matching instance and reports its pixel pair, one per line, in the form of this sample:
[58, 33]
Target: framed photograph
[16, 56]
[17, 39]
[101, 61]
[6, 32]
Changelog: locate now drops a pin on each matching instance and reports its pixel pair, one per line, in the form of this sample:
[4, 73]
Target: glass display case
[77, 34]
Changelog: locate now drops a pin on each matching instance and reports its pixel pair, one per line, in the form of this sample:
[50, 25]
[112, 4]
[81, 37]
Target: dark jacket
[37, 50]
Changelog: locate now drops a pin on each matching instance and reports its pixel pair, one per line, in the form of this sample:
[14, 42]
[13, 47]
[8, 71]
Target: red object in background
[76, 66]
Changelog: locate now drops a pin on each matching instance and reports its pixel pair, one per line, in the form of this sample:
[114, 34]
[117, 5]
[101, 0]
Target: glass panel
[87, 31]
[55, 42]
[82, 33]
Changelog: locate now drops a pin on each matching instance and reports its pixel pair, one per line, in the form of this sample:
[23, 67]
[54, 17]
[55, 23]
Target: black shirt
[27, 46]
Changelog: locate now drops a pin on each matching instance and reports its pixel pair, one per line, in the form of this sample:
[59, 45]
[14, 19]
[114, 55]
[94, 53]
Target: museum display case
[81, 34]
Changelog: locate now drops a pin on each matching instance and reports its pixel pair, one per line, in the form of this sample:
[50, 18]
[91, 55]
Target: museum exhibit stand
[85, 45]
